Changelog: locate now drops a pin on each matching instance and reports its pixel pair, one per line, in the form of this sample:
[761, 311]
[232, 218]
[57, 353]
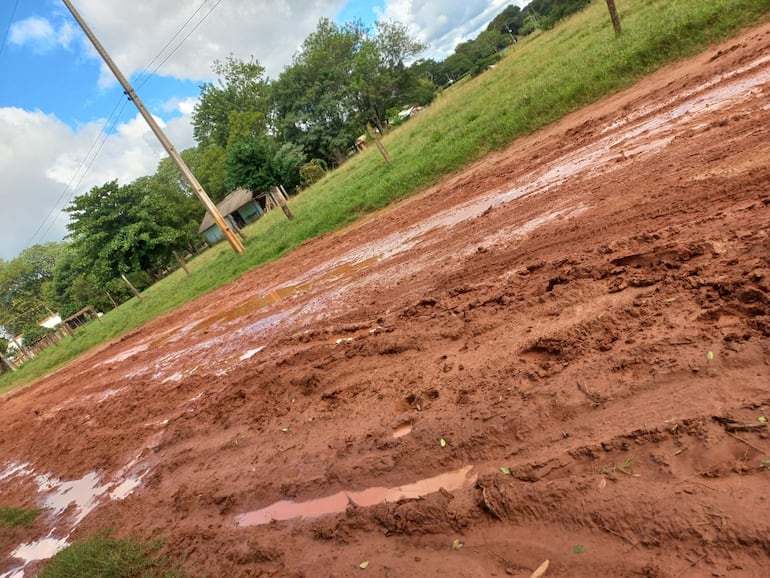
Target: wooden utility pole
[278, 199]
[133, 289]
[8, 364]
[182, 263]
[614, 16]
[380, 146]
[232, 238]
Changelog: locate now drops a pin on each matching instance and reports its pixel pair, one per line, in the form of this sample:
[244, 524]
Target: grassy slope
[540, 80]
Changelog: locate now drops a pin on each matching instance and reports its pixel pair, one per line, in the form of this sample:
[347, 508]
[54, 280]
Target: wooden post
[182, 263]
[26, 354]
[66, 328]
[614, 16]
[277, 196]
[95, 313]
[115, 305]
[8, 364]
[133, 289]
[380, 146]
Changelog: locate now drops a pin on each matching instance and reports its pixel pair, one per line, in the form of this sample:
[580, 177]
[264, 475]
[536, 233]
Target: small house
[239, 208]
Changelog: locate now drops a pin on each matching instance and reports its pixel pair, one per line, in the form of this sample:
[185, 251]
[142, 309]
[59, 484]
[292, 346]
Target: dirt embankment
[577, 310]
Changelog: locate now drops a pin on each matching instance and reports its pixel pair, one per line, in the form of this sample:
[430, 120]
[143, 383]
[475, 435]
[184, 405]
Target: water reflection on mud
[336, 503]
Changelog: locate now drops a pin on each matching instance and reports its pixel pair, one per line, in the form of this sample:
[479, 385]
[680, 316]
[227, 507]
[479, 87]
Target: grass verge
[540, 80]
[15, 517]
[102, 556]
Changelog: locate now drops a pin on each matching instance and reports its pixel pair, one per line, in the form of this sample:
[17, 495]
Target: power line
[178, 32]
[179, 45]
[8, 29]
[85, 165]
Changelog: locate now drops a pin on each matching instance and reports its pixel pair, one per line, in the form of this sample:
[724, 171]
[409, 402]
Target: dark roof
[229, 204]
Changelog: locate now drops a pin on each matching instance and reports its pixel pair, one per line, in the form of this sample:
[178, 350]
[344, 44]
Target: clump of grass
[11, 517]
[102, 556]
[624, 468]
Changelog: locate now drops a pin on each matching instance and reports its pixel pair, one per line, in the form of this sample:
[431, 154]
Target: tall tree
[241, 87]
[313, 100]
[260, 162]
[136, 227]
[380, 78]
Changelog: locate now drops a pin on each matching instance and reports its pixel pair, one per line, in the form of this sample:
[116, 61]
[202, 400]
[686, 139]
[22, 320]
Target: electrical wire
[8, 29]
[141, 75]
[96, 147]
[179, 45]
[82, 170]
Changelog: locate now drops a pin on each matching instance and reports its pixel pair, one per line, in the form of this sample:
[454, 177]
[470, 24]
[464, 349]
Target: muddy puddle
[281, 294]
[34, 552]
[402, 430]
[337, 503]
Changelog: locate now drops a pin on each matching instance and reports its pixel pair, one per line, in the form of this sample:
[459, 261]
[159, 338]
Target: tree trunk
[614, 16]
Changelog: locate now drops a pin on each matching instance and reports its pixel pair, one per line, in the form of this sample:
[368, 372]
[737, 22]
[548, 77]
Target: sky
[65, 125]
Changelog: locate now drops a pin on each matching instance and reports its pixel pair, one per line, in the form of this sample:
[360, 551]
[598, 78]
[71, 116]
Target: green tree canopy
[241, 87]
[23, 296]
[259, 163]
[118, 229]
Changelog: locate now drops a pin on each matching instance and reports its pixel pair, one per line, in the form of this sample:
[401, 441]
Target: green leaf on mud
[579, 549]
[710, 356]
[442, 441]
[506, 471]
[762, 419]
[364, 565]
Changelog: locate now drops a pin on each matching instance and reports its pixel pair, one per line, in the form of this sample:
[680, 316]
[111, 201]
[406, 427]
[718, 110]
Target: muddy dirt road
[576, 310]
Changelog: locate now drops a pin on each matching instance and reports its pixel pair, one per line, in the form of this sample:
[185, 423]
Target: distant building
[239, 208]
[51, 322]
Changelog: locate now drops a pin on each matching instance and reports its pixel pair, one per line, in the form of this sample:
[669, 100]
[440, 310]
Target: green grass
[104, 557]
[15, 517]
[540, 80]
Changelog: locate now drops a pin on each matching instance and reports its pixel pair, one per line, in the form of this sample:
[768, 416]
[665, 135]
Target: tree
[23, 283]
[259, 163]
[241, 87]
[313, 101]
[131, 228]
[342, 78]
[168, 173]
[211, 172]
[380, 78]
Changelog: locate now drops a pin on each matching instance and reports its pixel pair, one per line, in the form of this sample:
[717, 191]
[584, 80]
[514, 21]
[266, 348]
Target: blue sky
[65, 125]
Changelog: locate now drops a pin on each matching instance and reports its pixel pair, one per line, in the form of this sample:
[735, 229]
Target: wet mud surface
[553, 330]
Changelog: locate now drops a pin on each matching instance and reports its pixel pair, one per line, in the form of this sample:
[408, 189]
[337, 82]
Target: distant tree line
[254, 132]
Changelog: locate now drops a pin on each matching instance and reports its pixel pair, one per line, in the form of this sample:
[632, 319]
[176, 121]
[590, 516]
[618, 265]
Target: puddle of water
[40, 550]
[250, 353]
[336, 503]
[15, 468]
[83, 494]
[403, 430]
[122, 356]
[281, 294]
[122, 491]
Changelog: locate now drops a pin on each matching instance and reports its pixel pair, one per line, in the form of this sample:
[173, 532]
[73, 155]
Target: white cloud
[269, 30]
[443, 25]
[35, 32]
[40, 155]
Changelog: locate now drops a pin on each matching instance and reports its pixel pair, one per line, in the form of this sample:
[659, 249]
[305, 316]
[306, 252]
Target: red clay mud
[568, 316]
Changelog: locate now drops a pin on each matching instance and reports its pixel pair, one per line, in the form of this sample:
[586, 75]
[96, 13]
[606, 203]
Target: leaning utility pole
[235, 242]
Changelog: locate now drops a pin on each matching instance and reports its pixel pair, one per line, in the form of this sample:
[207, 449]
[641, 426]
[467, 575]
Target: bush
[312, 172]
